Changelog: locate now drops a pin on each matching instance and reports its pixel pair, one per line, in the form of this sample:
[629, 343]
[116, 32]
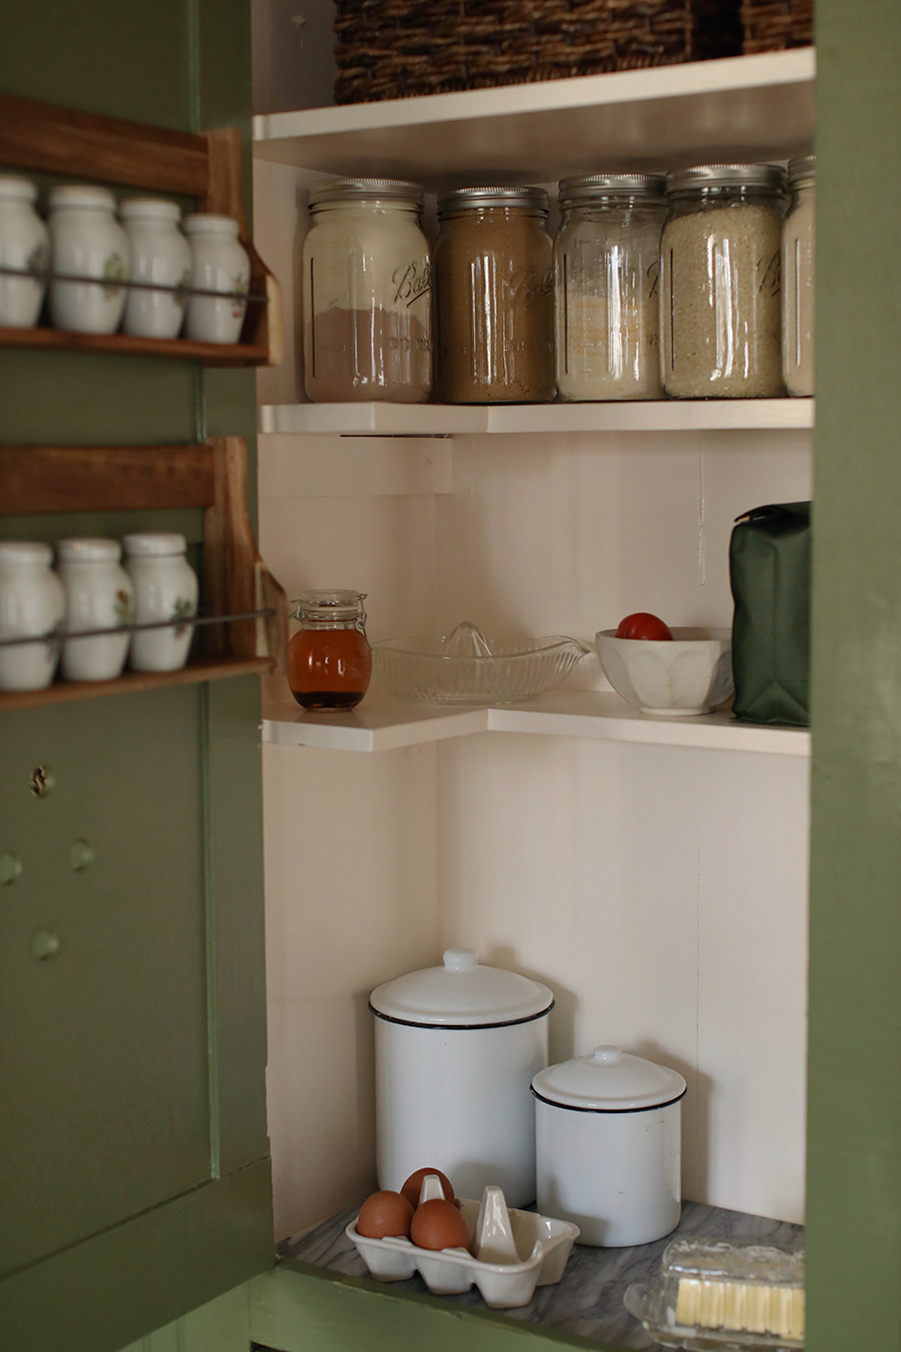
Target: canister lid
[461, 994]
[208, 223]
[609, 1080]
[153, 544]
[475, 199]
[364, 190]
[88, 551]
[768, 177]
[27, 552]
[149, 209]
[584, 188]
[15, 189]
[801, 169]
[81, 195]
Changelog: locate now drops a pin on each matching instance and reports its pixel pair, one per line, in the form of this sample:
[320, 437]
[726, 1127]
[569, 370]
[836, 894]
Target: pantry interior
[653, 875]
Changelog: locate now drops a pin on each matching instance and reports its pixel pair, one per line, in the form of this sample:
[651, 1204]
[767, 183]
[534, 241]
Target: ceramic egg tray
[517, 1251]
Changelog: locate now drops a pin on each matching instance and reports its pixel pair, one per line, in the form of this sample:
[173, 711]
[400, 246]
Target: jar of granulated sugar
[798, 278]
[606, 263]
[494, 301]
[366, 293]
[721, 289]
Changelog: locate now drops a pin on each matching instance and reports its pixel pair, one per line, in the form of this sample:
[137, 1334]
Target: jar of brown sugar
[494, 297]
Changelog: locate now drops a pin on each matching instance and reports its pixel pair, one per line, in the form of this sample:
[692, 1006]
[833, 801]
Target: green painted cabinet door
[133, 1146]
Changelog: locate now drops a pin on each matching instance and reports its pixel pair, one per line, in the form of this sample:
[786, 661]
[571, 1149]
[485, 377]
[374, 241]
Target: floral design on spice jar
[113, 271]
[240, 286]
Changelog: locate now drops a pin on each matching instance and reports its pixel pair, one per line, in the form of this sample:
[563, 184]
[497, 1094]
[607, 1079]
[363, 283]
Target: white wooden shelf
[741, 108]
[659, 415]
[383, 723]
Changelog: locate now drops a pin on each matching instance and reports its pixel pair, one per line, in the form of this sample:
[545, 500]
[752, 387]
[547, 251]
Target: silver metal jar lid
[801, 169]
[599, 187]
[474, 199]
[767, 177]
[328, 190]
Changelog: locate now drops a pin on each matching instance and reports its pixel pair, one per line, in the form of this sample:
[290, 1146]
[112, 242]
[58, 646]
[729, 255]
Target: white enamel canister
[609, 1134]
[456, 1048]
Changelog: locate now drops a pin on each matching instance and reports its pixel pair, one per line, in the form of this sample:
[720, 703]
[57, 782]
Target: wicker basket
[773, 25]
[390, 49]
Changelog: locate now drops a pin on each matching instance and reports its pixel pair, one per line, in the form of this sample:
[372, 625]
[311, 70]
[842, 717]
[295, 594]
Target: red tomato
[642, 625]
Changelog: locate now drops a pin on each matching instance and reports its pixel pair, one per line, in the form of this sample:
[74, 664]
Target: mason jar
[159, 253]
[86, 240]
[494, 286]
[721, 289]
[329, 658]
[25, 246]
[606, 283]
[367, 330]
[798, 283]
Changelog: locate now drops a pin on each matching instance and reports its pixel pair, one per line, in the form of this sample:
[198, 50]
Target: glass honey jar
[329, 658]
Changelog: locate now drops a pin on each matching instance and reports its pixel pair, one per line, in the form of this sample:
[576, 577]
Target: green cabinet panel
[105, 1042]
[129, 1281]
[854, 1133]
[297, 1308]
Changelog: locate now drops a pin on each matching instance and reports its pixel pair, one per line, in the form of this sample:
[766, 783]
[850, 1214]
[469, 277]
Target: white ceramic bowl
[690, 675]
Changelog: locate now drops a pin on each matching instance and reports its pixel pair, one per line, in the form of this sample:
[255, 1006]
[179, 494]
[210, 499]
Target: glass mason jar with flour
[721, 287]
[606, 263]
[798, 249]
[366, 293]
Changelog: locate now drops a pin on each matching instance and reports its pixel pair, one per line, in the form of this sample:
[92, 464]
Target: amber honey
[329, 660]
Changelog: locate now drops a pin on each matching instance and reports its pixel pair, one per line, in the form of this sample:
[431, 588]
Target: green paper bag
[769, 568]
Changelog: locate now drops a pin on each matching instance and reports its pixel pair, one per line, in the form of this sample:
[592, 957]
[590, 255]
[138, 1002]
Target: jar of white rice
[721, 288]
[606, 263]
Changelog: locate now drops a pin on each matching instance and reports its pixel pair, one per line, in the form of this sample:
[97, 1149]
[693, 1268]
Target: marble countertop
[588, 1301]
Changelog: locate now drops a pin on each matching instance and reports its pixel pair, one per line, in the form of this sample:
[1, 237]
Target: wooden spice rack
[212, 476]
[41, 137]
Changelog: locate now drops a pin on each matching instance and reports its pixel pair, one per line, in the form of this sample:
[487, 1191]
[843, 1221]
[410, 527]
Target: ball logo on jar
[771, 280]
[411, 280]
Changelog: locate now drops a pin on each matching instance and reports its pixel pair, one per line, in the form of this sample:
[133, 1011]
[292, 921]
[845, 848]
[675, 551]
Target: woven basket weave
[395, 48]
[774, 25]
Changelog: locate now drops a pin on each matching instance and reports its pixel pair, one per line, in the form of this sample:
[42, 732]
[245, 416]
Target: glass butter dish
[718, 1294]
[465, 667]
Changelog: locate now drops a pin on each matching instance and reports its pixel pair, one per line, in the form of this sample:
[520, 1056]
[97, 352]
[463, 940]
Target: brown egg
[413, 1186]
[439, 1225]
[384, 1213]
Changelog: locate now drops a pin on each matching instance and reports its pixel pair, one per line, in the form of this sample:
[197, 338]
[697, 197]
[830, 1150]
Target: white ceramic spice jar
[31, 602]
[159, 253]
[24, 244]
[456, 1047]
[165, 589]
[218, 263]
[99, 595]
[608, 1129]
[86, 240]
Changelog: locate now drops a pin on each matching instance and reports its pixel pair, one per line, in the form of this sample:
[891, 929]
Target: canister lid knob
[607, 1055]
[460, 959]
